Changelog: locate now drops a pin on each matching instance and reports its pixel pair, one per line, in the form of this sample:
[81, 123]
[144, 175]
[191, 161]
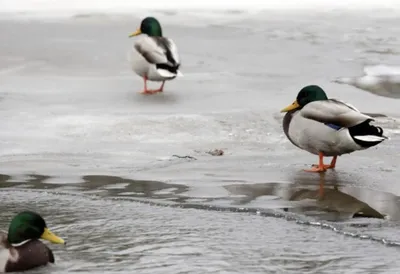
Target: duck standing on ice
[328, 127]
[154, 57]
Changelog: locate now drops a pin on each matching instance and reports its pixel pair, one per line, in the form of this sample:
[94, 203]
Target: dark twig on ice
[214, 152]
[184, 157]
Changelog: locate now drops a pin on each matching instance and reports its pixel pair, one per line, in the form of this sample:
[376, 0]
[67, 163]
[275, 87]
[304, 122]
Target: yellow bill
[51, 237]
[293, 106]
[137, 32]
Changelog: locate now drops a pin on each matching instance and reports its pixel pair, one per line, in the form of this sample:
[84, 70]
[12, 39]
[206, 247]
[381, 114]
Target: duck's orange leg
[321, 167]
[331, 165]
[161, 88]
[147, 91]
[333, 162]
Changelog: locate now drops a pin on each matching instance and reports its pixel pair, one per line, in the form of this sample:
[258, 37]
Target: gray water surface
[106, 165]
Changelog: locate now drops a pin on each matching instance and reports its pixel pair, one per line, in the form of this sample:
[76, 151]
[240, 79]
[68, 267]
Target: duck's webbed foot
[321, 167]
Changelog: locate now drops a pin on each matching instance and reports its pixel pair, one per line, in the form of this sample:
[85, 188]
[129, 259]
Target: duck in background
[328, 127]
[153, 56]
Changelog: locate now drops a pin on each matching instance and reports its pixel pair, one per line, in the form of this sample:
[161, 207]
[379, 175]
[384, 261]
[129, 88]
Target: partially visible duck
[21, 249]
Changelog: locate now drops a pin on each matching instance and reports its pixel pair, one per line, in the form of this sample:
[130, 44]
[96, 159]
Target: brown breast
[286, 123]
[30, 255]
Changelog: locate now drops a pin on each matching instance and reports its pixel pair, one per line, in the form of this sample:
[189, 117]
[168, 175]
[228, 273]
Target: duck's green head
[306, 95]
[29, 225]
[149, 26]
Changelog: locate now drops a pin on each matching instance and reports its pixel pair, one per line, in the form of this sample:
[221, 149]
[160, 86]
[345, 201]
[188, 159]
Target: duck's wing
[334, 112]
[170, 49]
[158, 50]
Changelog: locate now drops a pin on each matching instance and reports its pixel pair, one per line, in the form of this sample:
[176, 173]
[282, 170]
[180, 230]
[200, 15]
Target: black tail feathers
[367, 135]
[173, 69]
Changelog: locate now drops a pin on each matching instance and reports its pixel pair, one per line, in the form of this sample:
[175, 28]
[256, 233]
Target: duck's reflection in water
[321, 195]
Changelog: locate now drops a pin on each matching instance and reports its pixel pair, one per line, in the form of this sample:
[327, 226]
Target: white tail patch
[166, 74]
[179, 73]
[369, 138]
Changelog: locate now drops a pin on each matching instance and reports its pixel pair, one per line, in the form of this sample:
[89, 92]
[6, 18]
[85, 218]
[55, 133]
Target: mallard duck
[154, 57]
[328, 127]
[21, 248]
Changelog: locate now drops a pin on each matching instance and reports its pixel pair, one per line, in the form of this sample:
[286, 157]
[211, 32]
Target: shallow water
[81, 146]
